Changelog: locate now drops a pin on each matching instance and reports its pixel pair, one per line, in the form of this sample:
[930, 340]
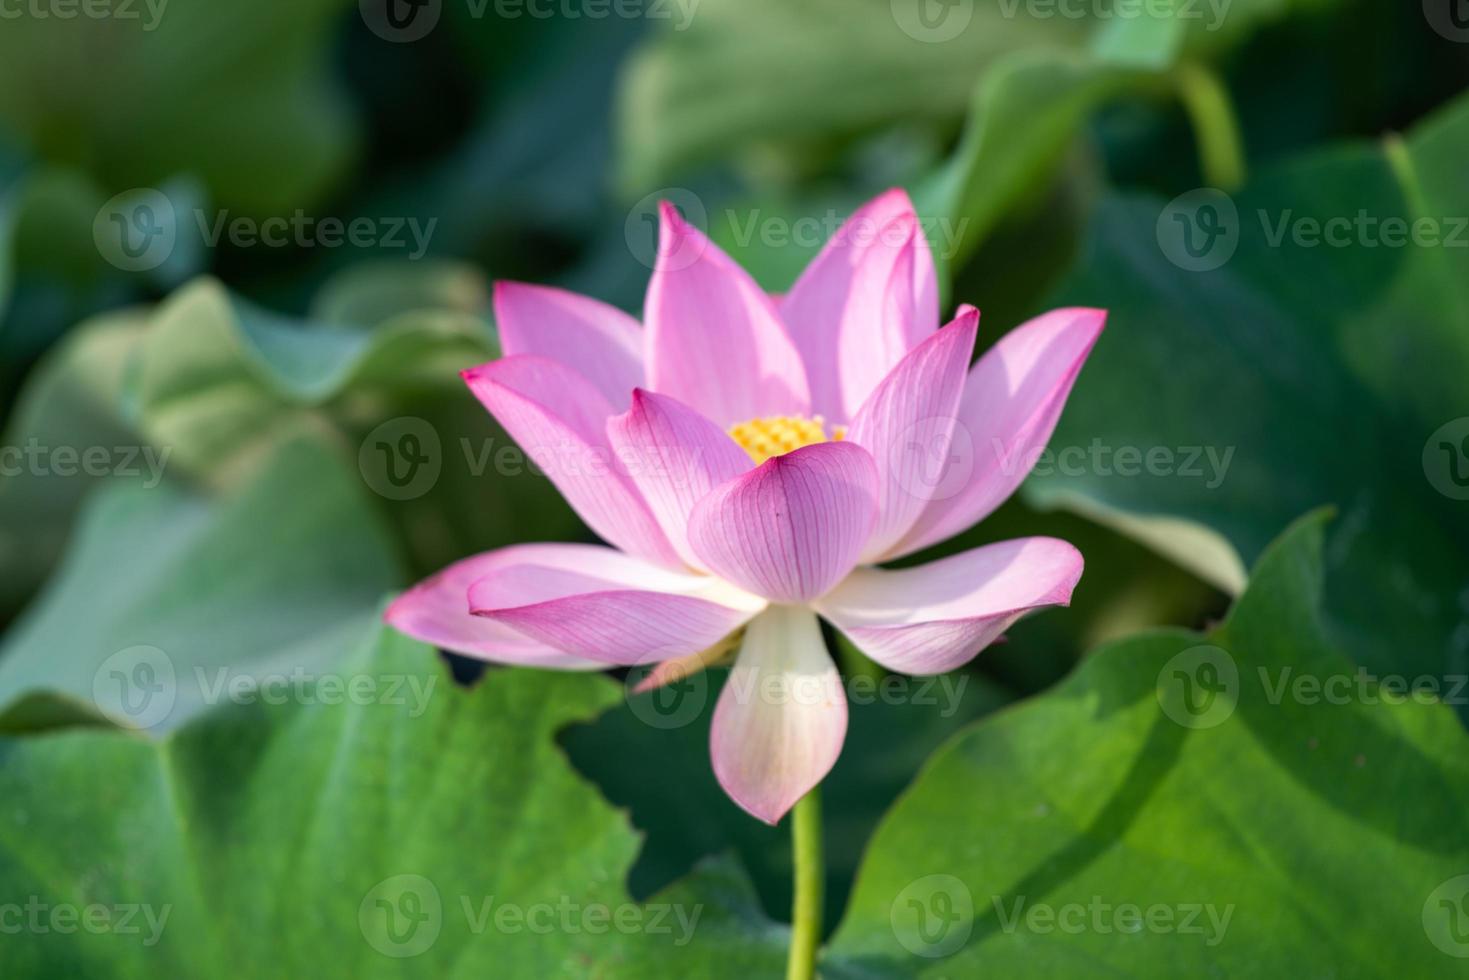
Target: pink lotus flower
[751, 460]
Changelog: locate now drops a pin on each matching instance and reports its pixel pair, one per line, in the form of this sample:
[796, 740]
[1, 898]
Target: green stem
[1221, 149]
[806, 907]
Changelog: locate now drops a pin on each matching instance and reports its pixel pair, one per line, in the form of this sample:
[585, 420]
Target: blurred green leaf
[1293, 374]
[231, 91]
[1025, 114]
[1281, 830]
[53, 270]
[74, 399]
[744, 73]
[372, 293]
[408, 829]
[221, 384]
[202, 591]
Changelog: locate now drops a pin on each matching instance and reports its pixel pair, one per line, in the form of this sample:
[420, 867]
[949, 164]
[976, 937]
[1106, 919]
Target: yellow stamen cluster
[774, 436]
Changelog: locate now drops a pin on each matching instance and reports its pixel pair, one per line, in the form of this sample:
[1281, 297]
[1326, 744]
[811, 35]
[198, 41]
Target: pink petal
[794, 526]
[714, 339]
[869, 297]
[935, 617]
[598, 341]
[436, 611]
[1011, 403]
[674, 456]
[560, 420]
[782, 716]
[906, 425]
[599, 604]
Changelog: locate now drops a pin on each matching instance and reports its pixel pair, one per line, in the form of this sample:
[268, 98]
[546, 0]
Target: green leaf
[372, 293]
[1291, 374]
[52, 271]
[221, 385]
[407, 829]
[894, 724]
[1025, 114]
[1282, 825]
[134, 100]
[220, 381]
[767, 73]
[74, 399]
[767, 84]
[185, 595]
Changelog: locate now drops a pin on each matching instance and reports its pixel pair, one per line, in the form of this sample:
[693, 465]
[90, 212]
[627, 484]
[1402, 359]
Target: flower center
[779, 434]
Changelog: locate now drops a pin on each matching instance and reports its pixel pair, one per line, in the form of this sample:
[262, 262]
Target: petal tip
[897, 196]
[1092, 319]
[670, 216]
[480, 372]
